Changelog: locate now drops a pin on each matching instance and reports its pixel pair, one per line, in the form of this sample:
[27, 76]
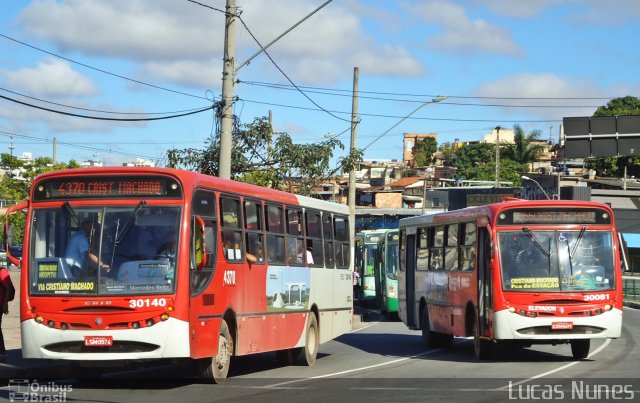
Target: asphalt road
[385, 361]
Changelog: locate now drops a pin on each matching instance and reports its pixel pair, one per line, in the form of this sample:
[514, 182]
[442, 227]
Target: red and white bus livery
[128, 264]
[520, 272]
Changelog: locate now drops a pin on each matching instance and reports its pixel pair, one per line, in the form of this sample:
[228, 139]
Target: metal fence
[631, 289]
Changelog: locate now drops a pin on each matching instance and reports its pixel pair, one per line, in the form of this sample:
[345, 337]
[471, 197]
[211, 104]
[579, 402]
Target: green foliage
[524, 150]
[624, 106]
[476, 161]
[423, 151]
[264, 158]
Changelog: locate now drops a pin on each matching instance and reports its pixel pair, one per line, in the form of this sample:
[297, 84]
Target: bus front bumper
[512, 326]
[168, 339]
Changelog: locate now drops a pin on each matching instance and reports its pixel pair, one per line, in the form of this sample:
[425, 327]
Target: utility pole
[228, 74]
[498, 156]
[54, 150]
[11, 146]
[352, 147]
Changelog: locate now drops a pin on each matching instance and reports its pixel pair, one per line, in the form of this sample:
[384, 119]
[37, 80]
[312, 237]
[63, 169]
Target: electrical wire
[400, 117]
[95, 110]
[106, 118]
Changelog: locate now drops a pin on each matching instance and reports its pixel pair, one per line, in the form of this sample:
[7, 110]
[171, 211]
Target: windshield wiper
[533, 239]
[71, 211]
[580, 235]
[129, 223]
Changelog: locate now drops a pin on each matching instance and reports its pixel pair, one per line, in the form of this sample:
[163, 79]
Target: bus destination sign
[85, 187]
[554, 216]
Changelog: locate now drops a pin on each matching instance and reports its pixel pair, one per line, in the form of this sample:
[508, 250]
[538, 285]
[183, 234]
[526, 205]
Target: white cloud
[51, 77]
[173, 37]
[546, 86]
[460, 33]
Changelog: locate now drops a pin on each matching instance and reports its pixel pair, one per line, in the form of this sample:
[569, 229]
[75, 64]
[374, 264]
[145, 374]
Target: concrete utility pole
[54, 150]
[352, 172]
[228, 75]
[498, 156]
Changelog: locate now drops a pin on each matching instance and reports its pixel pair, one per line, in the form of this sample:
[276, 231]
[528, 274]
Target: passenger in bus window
[309, 255]
[78, 255]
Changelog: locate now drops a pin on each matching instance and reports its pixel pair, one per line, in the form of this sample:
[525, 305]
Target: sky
[498, 62]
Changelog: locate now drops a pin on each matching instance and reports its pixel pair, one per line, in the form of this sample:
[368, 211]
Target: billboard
[601, 136]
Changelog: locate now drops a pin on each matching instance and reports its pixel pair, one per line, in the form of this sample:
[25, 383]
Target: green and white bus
[386, 272]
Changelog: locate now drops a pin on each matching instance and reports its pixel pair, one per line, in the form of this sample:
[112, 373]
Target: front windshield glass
[578, 260]
[104, 250]
[370, 256]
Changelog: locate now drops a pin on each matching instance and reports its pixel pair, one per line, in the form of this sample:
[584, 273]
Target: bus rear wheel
[312, 340]
[215, 369]
[428, 337]
[580, 348]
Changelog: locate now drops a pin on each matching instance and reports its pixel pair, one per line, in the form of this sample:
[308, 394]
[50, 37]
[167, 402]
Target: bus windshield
[569, 261]
[103, 250]
[370, 255]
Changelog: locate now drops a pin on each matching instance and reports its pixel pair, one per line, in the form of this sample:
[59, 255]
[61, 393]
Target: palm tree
[525, 148]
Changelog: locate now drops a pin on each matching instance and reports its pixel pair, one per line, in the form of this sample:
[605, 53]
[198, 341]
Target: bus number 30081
[142, 303]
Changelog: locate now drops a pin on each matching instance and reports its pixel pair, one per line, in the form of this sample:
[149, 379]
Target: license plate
[98, 341]
[561, 325]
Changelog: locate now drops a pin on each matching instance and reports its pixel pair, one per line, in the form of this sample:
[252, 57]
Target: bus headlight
[512, 309]
[39, 319]
[607, 307]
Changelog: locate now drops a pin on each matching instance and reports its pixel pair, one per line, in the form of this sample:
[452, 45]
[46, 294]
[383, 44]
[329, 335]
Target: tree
[524, 149]
[15, 189]
[614, 166]
[264, 158]
[476, 161]
[423, 151]
[623, 106]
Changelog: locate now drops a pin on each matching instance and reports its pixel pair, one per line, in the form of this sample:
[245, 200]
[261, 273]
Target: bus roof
[492, 210]
[190, 180]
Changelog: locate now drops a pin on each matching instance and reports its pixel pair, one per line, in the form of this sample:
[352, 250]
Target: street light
[536, 182]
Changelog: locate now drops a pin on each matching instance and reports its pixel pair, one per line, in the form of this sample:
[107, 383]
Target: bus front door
[411, 280]
[484, 280]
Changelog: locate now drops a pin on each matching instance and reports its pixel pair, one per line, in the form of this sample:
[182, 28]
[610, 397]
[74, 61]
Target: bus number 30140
[147, 302]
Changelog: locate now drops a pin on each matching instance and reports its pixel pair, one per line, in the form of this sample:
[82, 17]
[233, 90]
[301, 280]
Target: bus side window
[203, 240]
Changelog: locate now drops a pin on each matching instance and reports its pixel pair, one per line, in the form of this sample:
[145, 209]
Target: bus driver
[78, 251]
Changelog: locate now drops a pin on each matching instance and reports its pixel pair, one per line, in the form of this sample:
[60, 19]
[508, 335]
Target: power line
[285, 74]
[400, 117]
[95, 110]
[284, 86]
[106, 118]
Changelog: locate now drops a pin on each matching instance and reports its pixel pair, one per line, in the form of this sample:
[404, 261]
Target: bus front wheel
[580, 348]
[481, 346]
[312, 340]
[215, 369]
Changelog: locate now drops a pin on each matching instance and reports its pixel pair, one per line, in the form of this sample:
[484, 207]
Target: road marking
[275, 385]
[596, 351]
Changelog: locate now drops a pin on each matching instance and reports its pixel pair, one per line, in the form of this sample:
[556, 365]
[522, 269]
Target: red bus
[519, 272]
[135, 264]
